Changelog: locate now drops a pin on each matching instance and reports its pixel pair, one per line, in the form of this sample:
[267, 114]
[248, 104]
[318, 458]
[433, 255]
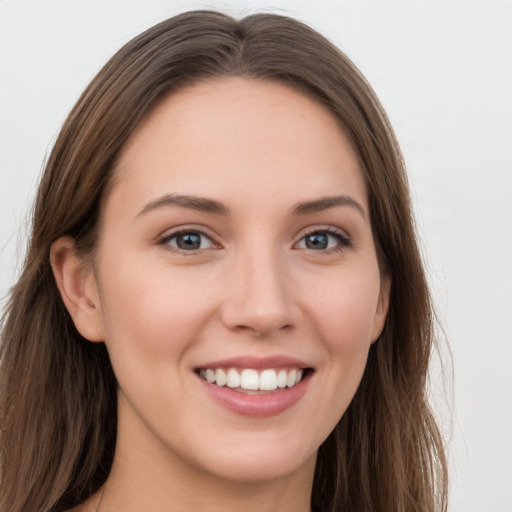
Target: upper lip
[257, 363]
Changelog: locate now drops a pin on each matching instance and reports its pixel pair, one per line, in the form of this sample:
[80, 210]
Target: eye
[324, 240]
[188, 241]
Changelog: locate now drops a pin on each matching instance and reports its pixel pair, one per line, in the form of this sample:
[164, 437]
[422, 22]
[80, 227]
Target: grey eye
[317, 241]
[190, 241]
[321, 240]
[324, 241]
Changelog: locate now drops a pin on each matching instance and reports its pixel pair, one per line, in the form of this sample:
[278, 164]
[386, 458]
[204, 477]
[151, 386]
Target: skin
[255, 287]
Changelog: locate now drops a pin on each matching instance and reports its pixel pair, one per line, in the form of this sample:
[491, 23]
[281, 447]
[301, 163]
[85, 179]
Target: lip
[270, 404]
[257, 406]
[257, 363]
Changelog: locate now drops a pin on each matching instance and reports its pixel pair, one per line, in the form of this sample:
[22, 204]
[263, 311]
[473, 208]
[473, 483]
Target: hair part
[58, 391]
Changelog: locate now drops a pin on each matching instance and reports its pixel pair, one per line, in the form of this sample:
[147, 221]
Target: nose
[259, 297]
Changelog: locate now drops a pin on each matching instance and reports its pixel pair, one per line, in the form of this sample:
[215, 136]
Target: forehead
[234, 136]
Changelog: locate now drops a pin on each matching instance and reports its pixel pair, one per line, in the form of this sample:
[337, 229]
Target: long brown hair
[58, 392]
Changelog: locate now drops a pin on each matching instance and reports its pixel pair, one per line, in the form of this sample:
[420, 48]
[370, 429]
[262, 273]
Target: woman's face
[236, 245]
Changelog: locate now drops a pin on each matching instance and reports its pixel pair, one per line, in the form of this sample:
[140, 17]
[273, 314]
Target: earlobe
[382, 307]
[77, 285]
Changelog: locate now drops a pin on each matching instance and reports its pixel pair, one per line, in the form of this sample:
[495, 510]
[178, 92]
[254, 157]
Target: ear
[77, 285]
[382, 307]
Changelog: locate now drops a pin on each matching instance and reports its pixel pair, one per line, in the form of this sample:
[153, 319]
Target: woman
[223, 306]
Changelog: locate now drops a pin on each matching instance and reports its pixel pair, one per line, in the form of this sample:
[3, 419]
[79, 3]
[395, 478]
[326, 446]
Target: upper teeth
[250, 379]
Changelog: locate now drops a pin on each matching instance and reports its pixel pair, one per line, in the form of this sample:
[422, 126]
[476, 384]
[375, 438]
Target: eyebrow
[325, 203]
[201, 204]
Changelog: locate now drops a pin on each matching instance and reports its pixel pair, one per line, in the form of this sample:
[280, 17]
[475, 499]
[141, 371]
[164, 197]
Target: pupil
[317, 241]
[189, 241]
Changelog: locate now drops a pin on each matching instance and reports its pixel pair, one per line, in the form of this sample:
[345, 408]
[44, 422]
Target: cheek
[343, 308]
[151, 310]
[343, 316]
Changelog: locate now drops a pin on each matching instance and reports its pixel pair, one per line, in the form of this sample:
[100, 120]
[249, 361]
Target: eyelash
[344, 241]
[164, 241]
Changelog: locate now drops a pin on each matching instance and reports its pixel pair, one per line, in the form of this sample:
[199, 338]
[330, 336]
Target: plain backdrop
[443, 70]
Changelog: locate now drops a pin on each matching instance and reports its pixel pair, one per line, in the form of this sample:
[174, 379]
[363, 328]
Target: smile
[252, 381]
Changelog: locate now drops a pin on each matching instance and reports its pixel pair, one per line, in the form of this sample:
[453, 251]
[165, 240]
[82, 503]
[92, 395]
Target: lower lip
[265, 405]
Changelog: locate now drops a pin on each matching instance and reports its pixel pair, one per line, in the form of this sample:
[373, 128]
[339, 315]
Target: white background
[442, 68]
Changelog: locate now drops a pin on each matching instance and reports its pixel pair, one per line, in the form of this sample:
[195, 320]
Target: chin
[260, 459]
